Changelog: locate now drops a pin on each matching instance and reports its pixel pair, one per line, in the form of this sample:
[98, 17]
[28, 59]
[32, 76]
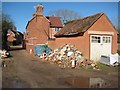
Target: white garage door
[100, 45]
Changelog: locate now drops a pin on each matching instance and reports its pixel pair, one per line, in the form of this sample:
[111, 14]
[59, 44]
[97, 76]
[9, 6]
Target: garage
[93, 36]
[100, 45]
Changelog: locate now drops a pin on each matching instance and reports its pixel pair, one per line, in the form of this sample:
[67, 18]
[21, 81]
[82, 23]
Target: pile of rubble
[68, 56]
[4, 54]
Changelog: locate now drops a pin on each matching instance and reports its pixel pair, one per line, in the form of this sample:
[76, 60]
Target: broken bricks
[4, 54]
[68, 56]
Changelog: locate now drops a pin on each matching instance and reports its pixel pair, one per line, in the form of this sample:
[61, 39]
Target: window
[56, 29]
[96, 39]
[106, 40]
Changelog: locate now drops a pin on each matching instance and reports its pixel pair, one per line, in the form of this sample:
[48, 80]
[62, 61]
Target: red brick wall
[77, 41]
[28, 47]
[38, 28]
[87, 45]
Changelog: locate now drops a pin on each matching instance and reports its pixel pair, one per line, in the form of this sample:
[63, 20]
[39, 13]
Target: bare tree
[65, 15]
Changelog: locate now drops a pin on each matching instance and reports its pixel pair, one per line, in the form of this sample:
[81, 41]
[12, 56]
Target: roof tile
[78, 26]
[55, 21]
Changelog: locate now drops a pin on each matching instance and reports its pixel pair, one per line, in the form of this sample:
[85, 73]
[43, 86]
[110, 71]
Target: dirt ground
[25, 70]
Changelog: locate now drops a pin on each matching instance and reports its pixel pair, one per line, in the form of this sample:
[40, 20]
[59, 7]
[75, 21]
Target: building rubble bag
[114, 58]
[39, 49]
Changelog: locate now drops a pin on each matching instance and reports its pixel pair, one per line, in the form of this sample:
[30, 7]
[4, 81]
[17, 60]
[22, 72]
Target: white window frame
[107, 39]
[96, 39]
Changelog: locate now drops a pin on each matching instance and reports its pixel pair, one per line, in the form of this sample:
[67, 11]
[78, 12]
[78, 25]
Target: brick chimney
[39, 10]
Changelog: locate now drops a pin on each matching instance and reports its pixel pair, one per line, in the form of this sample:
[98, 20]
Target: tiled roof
[55, 21]
[78, 26]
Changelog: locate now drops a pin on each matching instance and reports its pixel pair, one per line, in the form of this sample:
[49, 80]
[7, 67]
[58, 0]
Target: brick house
[10, 36]
[40, 29]
[14, 37]
[93, 35]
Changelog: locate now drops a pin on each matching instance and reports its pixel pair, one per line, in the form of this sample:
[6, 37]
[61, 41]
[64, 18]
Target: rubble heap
[66, 56]
[4, 54]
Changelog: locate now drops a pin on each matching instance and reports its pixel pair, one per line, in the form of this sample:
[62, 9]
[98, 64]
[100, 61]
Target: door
[100, 45]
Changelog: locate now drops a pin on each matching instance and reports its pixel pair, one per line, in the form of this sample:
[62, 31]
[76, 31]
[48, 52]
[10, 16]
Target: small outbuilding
[93, 36]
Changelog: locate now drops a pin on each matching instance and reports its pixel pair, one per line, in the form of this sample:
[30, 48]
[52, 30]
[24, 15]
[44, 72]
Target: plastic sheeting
[110, 60]
[114, 58]
[40, 49]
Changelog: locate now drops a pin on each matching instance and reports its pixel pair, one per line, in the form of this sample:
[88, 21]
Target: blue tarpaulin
[40, 49]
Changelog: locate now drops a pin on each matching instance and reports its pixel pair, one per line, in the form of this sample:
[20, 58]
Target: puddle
[85, 82]
[16, 84]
